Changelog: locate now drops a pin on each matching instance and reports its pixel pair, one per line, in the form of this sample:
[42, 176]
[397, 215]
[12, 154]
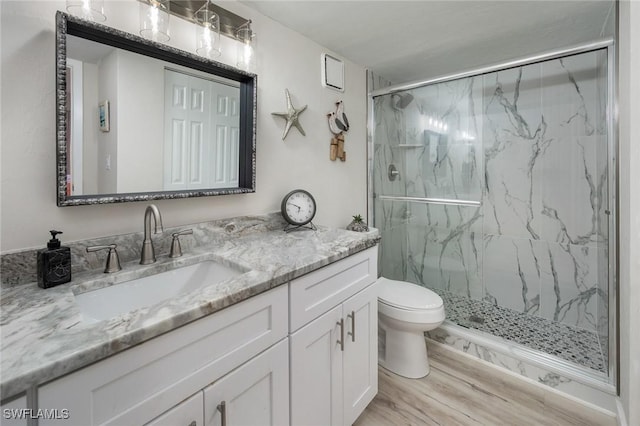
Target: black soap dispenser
[54, 263]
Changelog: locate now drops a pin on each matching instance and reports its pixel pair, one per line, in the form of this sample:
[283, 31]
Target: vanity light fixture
[91, 10]
[207, 31]
[212, 21]
[245, 53]
[154, 20]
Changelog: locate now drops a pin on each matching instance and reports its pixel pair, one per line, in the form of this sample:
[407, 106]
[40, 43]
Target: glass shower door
[493, 191]
[428, 185]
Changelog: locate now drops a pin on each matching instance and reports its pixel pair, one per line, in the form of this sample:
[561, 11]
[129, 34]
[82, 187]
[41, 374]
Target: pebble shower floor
[568, 343]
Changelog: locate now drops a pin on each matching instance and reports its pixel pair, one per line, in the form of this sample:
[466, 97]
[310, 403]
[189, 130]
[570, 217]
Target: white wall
[140, 129]
[629, 166]
[108, 141]
[90, 131]
[285, 60]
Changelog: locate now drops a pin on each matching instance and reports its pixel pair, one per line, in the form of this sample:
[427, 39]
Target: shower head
[401, 101]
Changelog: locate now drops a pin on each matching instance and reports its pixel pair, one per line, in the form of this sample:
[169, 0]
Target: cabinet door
[15, 413]
[256, 393]
[316, 371]
[360, 368]
[187, 413]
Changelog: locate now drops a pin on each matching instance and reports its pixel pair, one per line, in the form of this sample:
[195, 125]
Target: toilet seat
[408, 302]
[403, 295]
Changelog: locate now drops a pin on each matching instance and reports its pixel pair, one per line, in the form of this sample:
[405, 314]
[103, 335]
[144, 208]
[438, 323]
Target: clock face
[298, 207]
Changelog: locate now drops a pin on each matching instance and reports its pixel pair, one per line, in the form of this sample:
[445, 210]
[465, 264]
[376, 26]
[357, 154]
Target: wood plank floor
[464, 391]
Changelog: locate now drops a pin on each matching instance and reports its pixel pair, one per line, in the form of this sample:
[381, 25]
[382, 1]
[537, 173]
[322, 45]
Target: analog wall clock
[298, 208]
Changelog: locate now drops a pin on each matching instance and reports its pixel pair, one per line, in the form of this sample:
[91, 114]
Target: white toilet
[405, 312]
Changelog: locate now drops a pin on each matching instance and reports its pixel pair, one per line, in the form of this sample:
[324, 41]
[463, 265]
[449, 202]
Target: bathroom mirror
[139, 120]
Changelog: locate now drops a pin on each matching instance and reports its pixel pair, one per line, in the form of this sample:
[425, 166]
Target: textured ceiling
[412, 40]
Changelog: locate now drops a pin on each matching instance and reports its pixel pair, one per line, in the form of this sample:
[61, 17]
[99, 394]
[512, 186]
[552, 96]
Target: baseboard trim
[622, 416]
[557, 394]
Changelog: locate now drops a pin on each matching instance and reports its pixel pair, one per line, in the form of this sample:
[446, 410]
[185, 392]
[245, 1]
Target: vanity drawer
[317, 292]
[187, 413]
[139, 384]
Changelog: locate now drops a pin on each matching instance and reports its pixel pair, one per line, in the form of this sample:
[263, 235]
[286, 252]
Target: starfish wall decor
[291, 116]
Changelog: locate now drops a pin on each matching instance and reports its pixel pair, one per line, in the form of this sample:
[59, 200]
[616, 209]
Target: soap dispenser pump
[54, 263]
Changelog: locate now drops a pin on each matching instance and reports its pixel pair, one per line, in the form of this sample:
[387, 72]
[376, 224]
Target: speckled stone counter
[44, 335]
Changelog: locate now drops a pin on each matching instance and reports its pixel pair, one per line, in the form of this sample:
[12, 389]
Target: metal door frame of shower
[612, 151]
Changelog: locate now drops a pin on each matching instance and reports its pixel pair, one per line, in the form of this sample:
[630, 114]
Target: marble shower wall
[530, 144]
[543, 202]
[388, 132]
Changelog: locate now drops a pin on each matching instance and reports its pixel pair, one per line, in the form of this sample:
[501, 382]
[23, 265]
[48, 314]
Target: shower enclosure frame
[552, 362]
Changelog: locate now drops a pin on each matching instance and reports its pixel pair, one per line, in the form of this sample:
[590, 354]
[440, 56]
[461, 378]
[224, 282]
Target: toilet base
[403, 352]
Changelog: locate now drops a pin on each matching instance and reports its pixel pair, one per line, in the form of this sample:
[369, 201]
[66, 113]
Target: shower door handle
[423, 200]
[352, 315]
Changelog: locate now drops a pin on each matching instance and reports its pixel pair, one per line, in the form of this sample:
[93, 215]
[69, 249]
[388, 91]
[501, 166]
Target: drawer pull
[222, 407]
[352, 315]
[341, 341]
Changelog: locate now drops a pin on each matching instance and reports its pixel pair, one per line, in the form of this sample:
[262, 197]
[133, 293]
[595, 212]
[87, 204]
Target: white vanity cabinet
[333, 344]
[301, 354]
[257, 393]
[187, 413]
[14, 412]
[139, 384]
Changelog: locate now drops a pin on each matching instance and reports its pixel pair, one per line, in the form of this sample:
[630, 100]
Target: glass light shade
[154, 20]
[91, 10]
[246, 49]
[207, 32]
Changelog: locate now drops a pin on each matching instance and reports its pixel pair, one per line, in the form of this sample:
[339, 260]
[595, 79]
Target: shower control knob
[393, 172]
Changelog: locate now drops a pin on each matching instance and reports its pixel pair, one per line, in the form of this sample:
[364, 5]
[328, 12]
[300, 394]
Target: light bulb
[207, 32]
[246, 48]
[91, 10]
[154, 20]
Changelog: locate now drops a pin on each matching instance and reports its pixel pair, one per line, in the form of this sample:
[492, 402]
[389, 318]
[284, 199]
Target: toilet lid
[404, 295]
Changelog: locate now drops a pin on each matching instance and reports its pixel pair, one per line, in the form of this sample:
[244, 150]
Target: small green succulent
[358, 224]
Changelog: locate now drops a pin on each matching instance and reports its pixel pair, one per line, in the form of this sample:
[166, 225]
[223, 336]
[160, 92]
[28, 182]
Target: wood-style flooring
[464, 391]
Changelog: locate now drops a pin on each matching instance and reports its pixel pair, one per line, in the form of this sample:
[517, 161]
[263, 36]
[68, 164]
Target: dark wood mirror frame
[70, 25]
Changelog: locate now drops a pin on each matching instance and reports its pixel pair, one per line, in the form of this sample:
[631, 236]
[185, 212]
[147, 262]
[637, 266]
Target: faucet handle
[176, 249]
[113, 261]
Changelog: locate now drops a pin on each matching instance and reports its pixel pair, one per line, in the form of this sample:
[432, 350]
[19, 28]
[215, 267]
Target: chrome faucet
[147, 254]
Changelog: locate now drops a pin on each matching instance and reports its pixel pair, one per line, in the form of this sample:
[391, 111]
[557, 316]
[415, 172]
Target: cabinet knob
[193, 423]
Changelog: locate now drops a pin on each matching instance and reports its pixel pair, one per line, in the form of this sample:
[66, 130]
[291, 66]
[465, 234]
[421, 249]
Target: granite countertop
[45, 336]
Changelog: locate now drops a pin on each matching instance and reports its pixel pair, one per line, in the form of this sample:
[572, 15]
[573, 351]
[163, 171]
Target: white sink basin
[117, 299]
